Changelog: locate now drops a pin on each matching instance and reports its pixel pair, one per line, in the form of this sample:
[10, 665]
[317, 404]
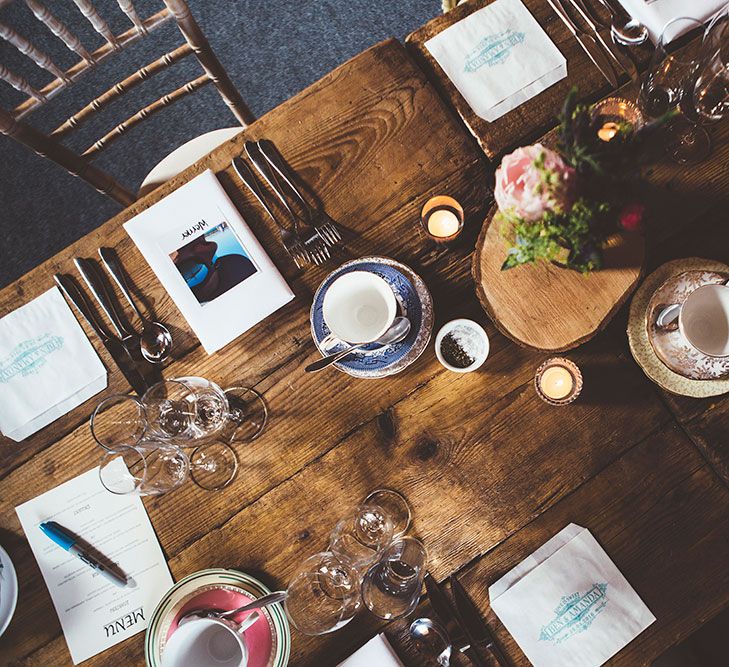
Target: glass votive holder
[558, 381]
[442, 218]
[610, 114]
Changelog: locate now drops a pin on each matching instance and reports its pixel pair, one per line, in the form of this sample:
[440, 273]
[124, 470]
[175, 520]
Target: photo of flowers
[213, 263]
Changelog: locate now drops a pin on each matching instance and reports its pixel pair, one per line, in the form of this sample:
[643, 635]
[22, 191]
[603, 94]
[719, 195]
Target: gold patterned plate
[268, 639]
[669, 344]
[640, 345]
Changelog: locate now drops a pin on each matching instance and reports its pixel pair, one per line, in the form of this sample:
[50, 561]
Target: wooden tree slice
[549, 308]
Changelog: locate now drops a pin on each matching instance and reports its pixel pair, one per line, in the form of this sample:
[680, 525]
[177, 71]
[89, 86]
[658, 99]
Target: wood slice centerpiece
[549, 308]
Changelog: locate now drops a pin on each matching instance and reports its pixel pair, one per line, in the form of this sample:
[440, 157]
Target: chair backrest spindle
[49, 145]
[35, 54]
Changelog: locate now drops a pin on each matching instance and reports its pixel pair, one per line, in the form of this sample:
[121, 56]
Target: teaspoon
[431, 638]
[155, 343]
[271, 598]
[398, 330]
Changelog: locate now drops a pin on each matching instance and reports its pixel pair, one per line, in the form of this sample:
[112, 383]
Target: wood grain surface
[490, 470]
[547, 307]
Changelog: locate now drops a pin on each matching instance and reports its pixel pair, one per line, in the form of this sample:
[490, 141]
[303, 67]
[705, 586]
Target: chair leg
[73, 163]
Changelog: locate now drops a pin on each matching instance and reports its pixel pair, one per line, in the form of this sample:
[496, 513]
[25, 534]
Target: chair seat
[184, 156]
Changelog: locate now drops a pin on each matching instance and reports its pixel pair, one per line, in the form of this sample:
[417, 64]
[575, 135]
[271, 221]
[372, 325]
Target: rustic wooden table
[491, 471]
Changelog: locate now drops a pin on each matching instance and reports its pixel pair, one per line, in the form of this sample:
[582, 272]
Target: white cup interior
[205, 643]
[359, 307]
[704, 319]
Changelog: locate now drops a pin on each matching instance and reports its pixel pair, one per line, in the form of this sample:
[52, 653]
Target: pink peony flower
[631, 217]
[530, 190]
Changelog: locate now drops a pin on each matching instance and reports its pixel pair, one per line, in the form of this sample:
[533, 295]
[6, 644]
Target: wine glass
[706, 97]
[323, 594]
[674, 62]
[148, 469]
[191, 412]
[117, 421]
[391, 588]
[362, 536]
[394, 503]
[247, 414]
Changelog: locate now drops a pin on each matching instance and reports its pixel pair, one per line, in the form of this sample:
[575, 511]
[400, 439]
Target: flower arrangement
[562, 205]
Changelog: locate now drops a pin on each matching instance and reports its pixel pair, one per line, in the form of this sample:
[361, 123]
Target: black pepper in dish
[453, 353]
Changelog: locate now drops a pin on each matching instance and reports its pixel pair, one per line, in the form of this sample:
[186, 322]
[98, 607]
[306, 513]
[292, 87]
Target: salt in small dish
[463, 338]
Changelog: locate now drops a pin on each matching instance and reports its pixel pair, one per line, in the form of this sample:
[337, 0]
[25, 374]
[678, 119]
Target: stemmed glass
[149, 469]
[673, 64]
[706, 97]
[391, 588]
[323, 594]
[362, 536]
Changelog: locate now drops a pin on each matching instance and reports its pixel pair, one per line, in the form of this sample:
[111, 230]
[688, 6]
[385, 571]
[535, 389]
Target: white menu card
[209, 261]
[568, 605]
[94, 613]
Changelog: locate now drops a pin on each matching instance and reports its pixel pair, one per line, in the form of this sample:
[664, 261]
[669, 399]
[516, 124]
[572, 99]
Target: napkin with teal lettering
[498, 58]
[47, 365]
[568, 605]
[377, 652]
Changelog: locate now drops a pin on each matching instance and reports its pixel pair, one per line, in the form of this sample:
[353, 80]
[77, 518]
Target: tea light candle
[558, 381]
[608, 131]
[442, 218]
[609, 113]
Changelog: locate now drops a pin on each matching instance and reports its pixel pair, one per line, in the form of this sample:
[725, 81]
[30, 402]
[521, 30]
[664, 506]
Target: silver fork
[314, 243]
[291, 240]
[317, 218]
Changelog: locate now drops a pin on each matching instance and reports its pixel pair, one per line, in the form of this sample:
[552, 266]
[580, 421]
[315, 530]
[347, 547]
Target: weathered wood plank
[659, 512]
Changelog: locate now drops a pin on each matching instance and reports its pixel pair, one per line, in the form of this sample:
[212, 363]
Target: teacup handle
[248, 622]
[668, 316]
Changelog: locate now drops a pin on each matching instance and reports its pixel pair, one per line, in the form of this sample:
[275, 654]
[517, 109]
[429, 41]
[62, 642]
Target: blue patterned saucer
[414, 302]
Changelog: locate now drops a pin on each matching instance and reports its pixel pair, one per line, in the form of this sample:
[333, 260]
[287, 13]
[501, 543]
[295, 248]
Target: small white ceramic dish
[359, 307]
[8, 590]
[469, 332]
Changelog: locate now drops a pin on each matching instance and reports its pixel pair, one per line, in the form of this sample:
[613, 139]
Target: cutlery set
[598, 40]
[123, 343]
[459, 626]
[311, 233]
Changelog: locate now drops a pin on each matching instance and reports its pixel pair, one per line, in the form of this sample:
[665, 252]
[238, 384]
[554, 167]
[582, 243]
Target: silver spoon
[431, 638]
[155, 343]
[399, 328]
[271, 598]
[623, 27]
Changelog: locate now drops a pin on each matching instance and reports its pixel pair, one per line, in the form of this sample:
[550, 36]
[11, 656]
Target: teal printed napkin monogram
[47, 365]
[567, 605]
[377, 651]
[498, 58]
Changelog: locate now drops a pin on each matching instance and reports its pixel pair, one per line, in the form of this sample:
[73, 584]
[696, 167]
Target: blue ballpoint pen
[68, 542]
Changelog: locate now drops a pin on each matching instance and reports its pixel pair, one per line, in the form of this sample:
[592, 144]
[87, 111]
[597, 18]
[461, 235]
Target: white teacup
[703, 319]
[208, 642]
[359, 307]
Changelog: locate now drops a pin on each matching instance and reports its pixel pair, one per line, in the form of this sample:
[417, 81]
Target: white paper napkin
[47, 365]
[376, 652]
[567, 605]
[498, 58]
[654, 14]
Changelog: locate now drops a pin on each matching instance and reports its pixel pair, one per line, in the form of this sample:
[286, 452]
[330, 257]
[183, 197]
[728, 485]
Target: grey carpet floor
[270, 48]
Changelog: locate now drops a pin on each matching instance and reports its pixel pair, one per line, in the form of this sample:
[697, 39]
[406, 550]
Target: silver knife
[446, 615]
[606, 42]
[476, 629]
[96, 284]
[588, 44]
[116, 350]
